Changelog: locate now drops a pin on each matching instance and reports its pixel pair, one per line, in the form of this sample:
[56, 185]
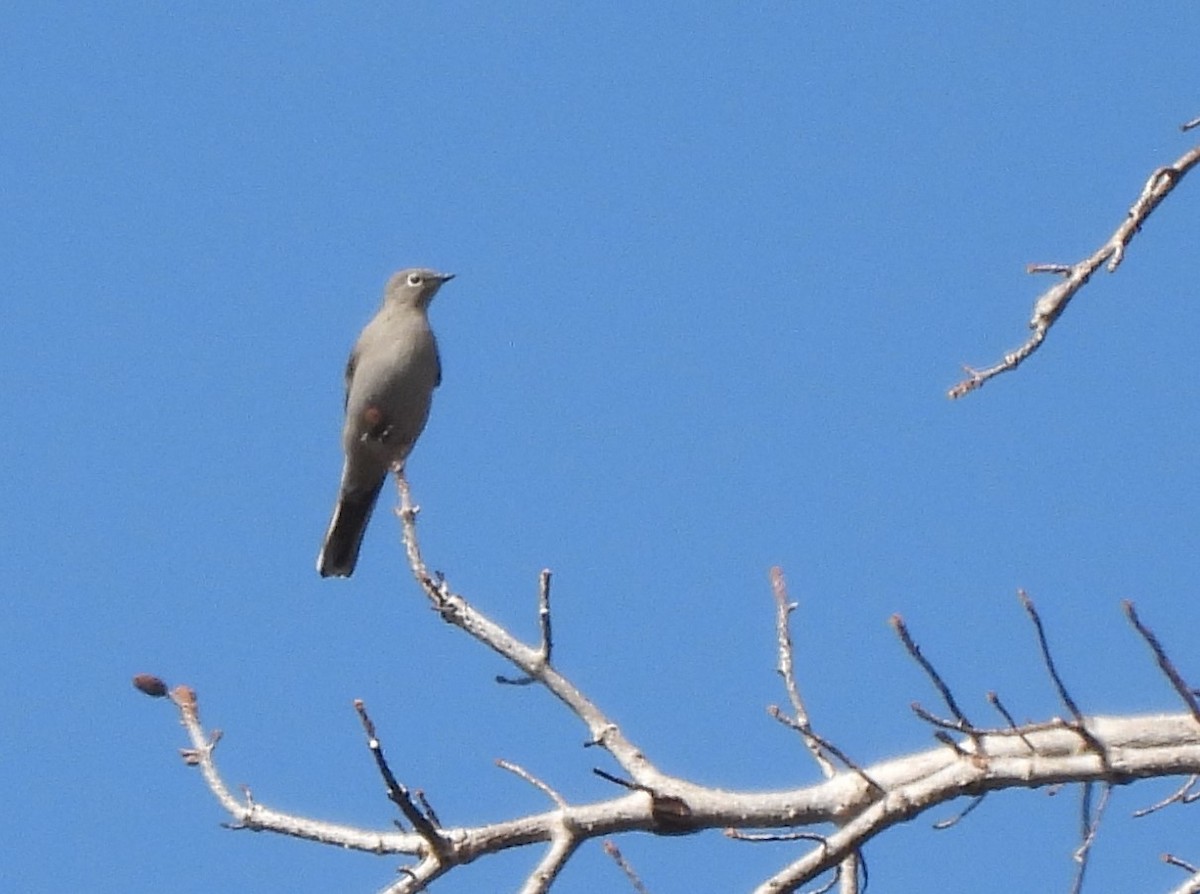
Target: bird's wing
[350, 365]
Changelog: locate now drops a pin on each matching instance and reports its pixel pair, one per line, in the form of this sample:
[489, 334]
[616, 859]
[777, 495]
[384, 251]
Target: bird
[390, 378]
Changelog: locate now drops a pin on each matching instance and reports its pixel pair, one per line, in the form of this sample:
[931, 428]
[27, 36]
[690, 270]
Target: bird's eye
[414, 279]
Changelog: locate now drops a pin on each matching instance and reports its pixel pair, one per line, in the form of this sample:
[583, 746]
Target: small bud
[150, 684]
[185, 697]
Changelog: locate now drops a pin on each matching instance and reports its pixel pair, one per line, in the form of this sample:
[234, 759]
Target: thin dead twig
[786, 669]
[914, 651]
[398, 793]
[615, 852]
[1079, 724]
[534, 781]
[1051, 304]
[1090, 826]
[544, 624]
[1164, 662]
[1182, 795]
[454, 609]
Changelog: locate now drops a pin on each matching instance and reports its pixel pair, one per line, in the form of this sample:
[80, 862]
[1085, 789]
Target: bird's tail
[339, 552]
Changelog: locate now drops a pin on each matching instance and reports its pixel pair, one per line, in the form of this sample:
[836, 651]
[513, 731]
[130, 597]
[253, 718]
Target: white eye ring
[414, 279]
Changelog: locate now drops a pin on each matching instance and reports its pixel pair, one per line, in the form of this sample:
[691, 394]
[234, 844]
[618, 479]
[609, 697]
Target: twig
[1051, 303]
[544, 624]
[613, 851]
[866, 875]
[548, 868]
[948, 740]
[1182, 795]
[995, 702]
[847, 871]
[427, 808]
[534, 781]
[250, 814]
[850, 864]
[785, 668]
[1080, 722]
[834, 879]
[826, 745]
[1091, 825]
[417, 878]
[562, 844]
[961, 815]
[756, 837]
[1192, 885]
[544, 614]
[1020, 732]
[396, 792]
[1164, 662]
[617, 780]
[454, 609]
[672, 815]
[1047, 658]
[915, 651]
[929, 717]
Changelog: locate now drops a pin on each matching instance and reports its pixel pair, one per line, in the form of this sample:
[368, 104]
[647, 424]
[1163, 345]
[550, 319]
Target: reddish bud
[150, 684]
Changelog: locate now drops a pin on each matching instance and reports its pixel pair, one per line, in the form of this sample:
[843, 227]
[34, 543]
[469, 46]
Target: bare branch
[427, 808]
[961, 815]
[817, 746]
[1091, 825]
[534, 781]
[1061, 269]
[777, 714]
[417, 878]
[1080, 722]
[1182, 795]
[396, 792]
[1146, 746]
[255, 816]
[783, 610]
[846, 885]
[1164, 662]
[1047, 658]
[947, 740]
[968, 730]
[758, 837]
[995, 702]
[613, 851]
[1192, 885]
[915, 652]
[548, 868]
[454, 609]
[544, 623]
[1051, 304]
[858, 805]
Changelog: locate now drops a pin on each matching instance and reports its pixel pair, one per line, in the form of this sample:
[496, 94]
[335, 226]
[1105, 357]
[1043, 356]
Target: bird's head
[415, 287]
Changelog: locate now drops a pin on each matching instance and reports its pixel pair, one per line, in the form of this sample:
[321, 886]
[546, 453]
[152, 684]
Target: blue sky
[716, 267]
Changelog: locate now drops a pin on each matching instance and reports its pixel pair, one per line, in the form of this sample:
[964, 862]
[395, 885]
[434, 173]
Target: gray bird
[390, 378]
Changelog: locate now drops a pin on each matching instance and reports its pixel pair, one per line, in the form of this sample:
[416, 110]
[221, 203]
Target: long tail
[339, 552]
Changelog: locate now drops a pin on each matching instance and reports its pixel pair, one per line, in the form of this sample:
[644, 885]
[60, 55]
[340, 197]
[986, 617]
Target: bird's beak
[445, 277]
